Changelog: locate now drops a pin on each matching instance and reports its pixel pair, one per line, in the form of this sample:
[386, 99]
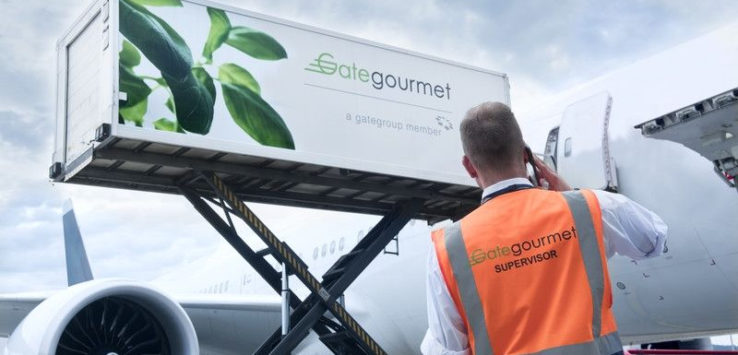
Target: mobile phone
[532, 163]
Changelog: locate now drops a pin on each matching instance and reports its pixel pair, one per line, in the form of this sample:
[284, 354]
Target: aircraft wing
[15, 307]
[232, 321]
[230, 302]
[220, 320]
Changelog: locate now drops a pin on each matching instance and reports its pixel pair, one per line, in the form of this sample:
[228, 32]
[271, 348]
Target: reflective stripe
[590, 254]
[605, 345]
[468, 293]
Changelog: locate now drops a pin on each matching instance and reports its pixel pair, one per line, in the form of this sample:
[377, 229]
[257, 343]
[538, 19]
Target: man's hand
[548, 177]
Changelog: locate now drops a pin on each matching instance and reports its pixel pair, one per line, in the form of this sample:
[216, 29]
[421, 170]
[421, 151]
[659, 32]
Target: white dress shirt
[629, 229]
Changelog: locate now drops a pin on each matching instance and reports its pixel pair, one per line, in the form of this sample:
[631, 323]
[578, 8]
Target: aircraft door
[549, 154]
[581, 151]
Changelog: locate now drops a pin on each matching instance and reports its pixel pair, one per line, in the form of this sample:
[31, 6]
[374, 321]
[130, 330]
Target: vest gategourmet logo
[326, 64]
[479, 256]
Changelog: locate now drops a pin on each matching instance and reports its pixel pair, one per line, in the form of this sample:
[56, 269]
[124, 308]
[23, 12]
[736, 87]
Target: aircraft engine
[106, 316]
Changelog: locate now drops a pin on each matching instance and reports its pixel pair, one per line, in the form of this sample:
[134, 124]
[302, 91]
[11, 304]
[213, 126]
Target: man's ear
[470, 169]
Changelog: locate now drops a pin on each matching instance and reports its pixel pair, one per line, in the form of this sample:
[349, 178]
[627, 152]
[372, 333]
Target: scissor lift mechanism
[218, 180]
[343, 336]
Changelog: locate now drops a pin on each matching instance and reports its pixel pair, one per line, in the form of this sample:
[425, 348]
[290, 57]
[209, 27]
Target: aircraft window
[315, 253]
[220, 288]
[323, 250]
[226, 287]
[333, 246]
[359, 236]
[244, 279]
[567, 147]
[341, 243]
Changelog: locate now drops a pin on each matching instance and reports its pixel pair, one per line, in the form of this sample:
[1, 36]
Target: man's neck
[505, 185]
[491, 179]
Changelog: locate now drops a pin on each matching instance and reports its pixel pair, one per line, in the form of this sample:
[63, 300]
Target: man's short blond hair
[491, 137]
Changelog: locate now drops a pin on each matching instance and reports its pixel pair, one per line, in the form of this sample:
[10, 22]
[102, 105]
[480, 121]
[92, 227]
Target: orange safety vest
[527, 272]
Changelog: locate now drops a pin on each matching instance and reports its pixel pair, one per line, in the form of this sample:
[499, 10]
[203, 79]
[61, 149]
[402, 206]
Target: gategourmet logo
[552, 240]
[326, 64]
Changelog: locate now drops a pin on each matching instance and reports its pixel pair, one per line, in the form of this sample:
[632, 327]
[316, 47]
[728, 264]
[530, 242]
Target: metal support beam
[274, 174]
[285, 300]
[119, 179]
[260, 265]
[309, 314]
[349, 269]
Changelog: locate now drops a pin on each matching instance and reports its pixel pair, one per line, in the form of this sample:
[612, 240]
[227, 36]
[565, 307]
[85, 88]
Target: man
[526, 272]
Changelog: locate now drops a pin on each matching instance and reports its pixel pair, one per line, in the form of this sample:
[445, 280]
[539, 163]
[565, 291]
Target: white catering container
[290, 113]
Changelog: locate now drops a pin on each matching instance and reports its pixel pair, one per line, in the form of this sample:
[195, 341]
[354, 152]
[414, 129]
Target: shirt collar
[505, 184]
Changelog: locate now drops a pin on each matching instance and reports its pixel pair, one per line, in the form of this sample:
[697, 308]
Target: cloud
[29, 131]
[28, 34]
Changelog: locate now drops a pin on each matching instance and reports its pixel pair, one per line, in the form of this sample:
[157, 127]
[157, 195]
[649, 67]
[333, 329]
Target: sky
[544, 47]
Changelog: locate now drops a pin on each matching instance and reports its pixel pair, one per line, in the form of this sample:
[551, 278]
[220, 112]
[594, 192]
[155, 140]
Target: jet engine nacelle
[105, 316]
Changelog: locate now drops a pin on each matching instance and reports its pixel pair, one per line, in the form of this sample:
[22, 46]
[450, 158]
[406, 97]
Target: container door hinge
[55, 170]
[102, 132]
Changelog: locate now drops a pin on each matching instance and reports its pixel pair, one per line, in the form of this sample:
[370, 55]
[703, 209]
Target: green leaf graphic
[161, 44]
[204, 78]
[169, 53]
[134, 113]
[256, 117]
[161, 82]
[230, 73]
[219, 28]
[158, 2]
[134, 87]
[256, 44]
[164, 124]
[193, 103]
[129, 55]
[170, 104]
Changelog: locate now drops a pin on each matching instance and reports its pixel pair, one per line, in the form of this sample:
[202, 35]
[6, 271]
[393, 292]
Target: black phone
[532, 163]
